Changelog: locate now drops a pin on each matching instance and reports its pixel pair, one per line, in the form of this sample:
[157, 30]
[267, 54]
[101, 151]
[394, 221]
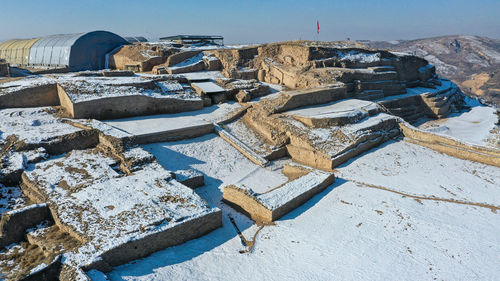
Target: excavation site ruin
[115, 151]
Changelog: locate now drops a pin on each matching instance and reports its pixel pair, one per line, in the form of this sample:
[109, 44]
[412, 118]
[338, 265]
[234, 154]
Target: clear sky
[253, 21]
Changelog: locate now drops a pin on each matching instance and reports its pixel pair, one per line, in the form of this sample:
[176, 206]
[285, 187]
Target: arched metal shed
[16, 51]
[82, 51]
[135, 39]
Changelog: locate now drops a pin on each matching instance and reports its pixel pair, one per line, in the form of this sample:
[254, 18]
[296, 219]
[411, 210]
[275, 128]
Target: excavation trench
[249, 244]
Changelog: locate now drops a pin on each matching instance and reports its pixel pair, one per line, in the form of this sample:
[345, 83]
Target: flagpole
[317, 31]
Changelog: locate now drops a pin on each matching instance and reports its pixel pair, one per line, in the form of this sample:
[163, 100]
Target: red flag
[317, 24]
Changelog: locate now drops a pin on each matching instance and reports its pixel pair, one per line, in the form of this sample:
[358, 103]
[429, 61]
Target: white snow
[38, 268]
[335, 141]
[369, 225]
[109, 208]
[417, 170]
[96, 275]
[248, 137]
[23, 209]
[209, 87]
[260, 179]
[357, 56]
[291, 190]
[347, 108]
[202, 75]
[151, 124]
[182, 175]
[80, 91]
[492, 53]
[170, 86]
[33, 125]
[248, 151]
[84, 88]
[103, 127]
[190, 61]
[97, 167]
[474, 126]
[445, 84]
[11, 198]
[134, 193]
[220, 163]
[349, 231]
[28, 81]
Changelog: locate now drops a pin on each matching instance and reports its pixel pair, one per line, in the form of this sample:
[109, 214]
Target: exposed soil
[493, 208]
[18, 261]
[249, 244]
[476, 82]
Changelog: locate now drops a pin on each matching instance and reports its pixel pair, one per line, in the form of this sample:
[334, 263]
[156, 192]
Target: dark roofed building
[135, 39]
[195, 39]
[81, 51]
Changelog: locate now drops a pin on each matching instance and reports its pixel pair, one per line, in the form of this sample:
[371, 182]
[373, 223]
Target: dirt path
[249, 244]
[493, 208]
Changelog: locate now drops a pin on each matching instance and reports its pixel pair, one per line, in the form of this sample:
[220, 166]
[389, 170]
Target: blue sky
[253, 21]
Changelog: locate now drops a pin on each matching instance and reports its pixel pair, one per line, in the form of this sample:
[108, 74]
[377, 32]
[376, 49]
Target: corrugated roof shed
[16, 51]
[81, 51]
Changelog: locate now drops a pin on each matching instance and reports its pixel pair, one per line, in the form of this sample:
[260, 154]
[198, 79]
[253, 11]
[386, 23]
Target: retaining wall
[451, 146]
[13, 224]
[259, 208]
[180, 57]
[125, 106]
[37, 96]
[144, 246]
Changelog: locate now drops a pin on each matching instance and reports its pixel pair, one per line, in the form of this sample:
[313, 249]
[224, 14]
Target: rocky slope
[473, 62]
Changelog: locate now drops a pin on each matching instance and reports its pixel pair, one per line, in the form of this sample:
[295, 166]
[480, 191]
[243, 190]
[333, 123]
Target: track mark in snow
[493, 208]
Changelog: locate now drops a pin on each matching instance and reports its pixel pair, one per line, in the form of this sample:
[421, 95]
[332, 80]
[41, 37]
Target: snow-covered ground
[92, 88]
[33, 125]
[11, 198]
[358, 56]
[445, 84]
[202, 75]
[86, 88]
[209, 87]
[248, 137]
[399, 211]
[443, 224]
[474, 126]
[221, 164]
[350, 110]
[151, 124]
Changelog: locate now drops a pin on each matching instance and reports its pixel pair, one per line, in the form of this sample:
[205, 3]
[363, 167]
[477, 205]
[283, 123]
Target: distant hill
[473, 62]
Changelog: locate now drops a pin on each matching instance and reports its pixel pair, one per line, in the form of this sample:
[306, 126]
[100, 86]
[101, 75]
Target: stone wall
[35, 96]
[180, 57]
[144, 246]
[298, 65]
[14, 224]
[4, 68]
[143, 56]
[125, 106]
[451, 146]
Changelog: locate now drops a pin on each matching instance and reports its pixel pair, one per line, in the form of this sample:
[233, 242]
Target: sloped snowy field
[473, 126]
[350, 231]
